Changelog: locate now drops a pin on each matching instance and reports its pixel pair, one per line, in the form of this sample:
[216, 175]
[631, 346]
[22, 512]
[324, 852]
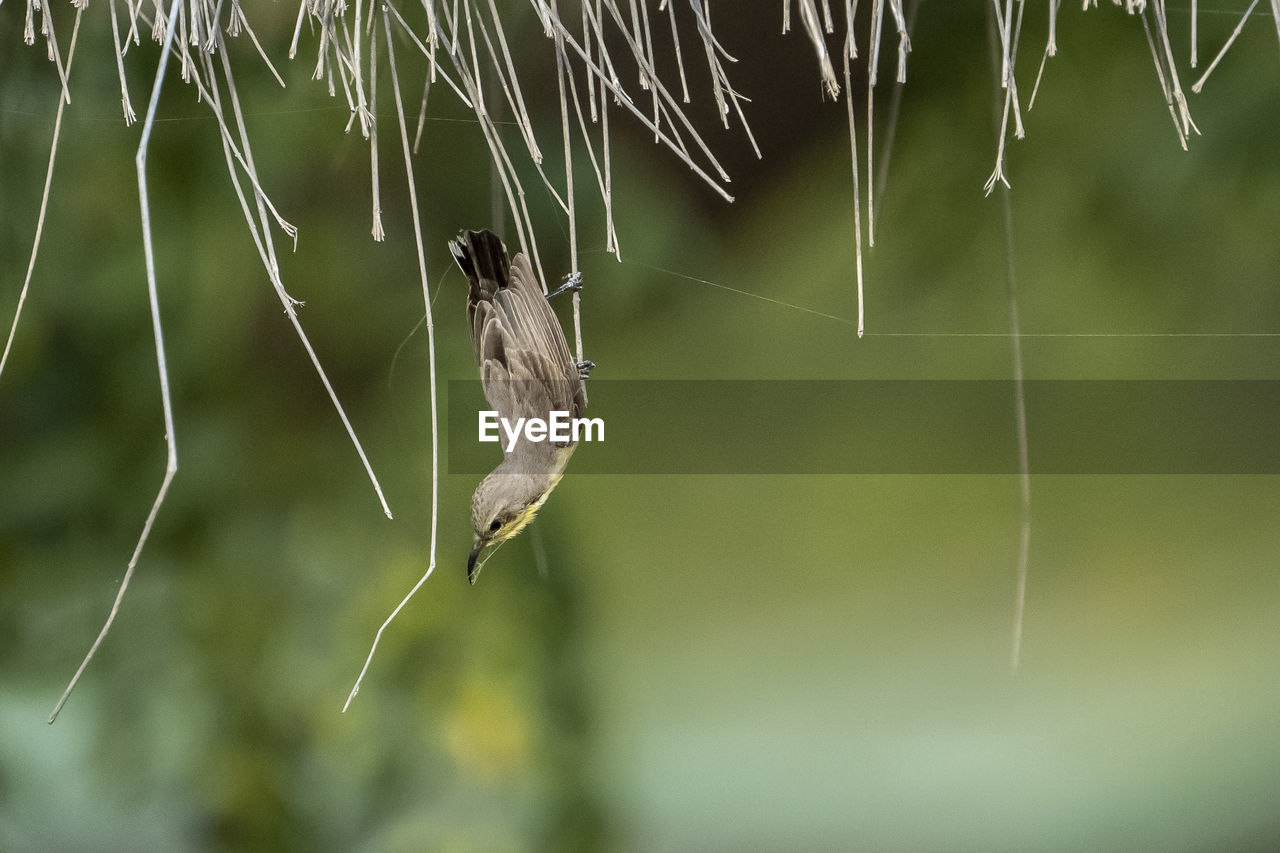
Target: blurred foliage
[706, 662]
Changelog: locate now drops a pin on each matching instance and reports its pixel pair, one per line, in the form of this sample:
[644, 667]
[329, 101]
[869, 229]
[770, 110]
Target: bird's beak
[471, 561]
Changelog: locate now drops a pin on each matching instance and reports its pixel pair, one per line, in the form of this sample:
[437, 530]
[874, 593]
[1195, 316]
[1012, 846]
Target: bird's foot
[585, 368]
[572, 282]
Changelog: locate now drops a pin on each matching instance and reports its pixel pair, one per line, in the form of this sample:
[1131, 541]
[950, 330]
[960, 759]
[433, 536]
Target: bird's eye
[494, 526]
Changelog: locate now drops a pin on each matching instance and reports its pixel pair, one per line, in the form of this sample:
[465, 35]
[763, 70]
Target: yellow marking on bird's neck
[526, 515]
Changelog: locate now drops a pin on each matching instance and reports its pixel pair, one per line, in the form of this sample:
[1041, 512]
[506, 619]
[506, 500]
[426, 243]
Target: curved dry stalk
[891, 123]
[1015, 337]
[1157, 11]
[378, 233]
[44, 200]
[428, 51]
[518, 108]
[610, 237]
[1020, 419]
[561, 70]
[203, 94]
[1008, 31]
[674, 111]
[431, 357]
[846, 55]
[1231, 39]
[526, 128]
[51, 44]
[621, 97]
[610, 234]
[239, 20]
[809, 17]
[129, 117]
[1051, 46]
[171, 465]
[469, 76]
[675, 43]
[288, 302]
[873, 65]
[720, 78]
[263, 240]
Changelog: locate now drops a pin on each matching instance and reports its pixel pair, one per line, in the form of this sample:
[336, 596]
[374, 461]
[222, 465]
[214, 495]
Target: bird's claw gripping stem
[572, 282]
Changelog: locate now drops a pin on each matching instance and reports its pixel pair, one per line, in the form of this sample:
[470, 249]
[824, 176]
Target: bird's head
[502, 506]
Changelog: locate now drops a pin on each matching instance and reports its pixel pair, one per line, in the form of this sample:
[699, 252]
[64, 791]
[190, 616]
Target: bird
[526, 371]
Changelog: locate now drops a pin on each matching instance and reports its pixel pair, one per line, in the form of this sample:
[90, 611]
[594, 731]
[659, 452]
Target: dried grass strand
[431, 357]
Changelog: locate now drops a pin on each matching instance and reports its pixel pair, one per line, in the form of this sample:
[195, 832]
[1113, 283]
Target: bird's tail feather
[483, 258]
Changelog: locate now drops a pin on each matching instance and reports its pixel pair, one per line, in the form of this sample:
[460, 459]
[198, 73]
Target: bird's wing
[524, 360]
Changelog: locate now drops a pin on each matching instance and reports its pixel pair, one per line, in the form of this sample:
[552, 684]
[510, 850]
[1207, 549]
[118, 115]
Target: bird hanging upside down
[527, 372]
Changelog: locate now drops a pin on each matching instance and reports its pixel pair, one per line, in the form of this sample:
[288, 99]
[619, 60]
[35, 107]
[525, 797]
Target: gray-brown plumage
[526, 371]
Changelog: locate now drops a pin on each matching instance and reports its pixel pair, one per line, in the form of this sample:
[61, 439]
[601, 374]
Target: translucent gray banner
[908, 427]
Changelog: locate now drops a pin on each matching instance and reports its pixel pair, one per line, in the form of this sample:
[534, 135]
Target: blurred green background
[662, 662]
